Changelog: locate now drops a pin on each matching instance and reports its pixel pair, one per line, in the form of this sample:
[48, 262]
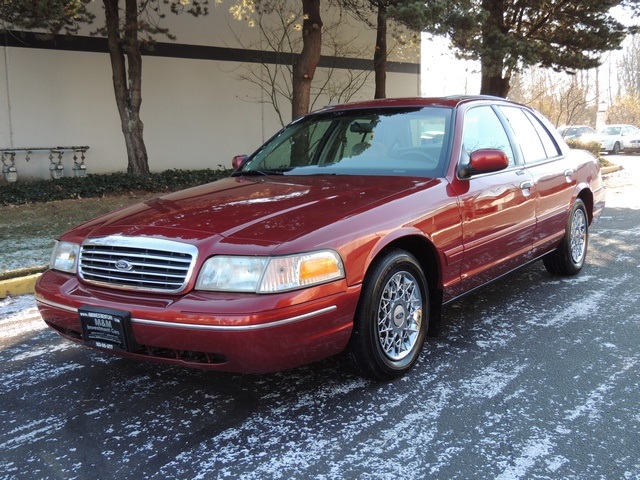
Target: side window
[527, 135]
[482, 129]
[550, 146]
[629, 130]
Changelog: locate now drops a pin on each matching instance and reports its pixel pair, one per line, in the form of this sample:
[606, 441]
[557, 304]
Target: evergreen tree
[51, 15]
[507, 36]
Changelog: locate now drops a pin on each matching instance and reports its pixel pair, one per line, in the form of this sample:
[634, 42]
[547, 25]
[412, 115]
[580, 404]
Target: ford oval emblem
[124, 265]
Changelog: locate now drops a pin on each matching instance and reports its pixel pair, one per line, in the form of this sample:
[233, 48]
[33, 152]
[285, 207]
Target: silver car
[576, 132]
[616, 138]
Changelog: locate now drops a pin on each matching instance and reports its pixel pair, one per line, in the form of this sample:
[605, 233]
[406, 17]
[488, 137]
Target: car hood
[265, 211]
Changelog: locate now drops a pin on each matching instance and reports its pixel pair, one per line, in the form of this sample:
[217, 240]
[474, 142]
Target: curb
[612, 168]
[14, 287]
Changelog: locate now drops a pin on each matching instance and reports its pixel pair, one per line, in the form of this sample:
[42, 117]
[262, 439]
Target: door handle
[568, 173]
[526, 184]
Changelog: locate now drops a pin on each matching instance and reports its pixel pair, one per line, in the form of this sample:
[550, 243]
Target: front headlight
[231, 274]
[65, 257]
[269, 274]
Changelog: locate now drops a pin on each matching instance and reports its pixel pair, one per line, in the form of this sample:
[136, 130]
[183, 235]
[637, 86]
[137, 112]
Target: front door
[497, 209]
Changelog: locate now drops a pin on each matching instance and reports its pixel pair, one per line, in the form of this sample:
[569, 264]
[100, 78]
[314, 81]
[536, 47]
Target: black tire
[570, 255]
[616, 148]
[392, 318]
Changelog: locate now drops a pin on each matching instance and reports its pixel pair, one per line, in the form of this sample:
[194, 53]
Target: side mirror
[238, 160]
[485, 160]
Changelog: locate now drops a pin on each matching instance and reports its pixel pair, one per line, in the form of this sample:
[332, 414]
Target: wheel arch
[586, 195]
[426, 254]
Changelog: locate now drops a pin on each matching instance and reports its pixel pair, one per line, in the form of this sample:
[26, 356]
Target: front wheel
[569, 257]
[616, 148]
[392, 317]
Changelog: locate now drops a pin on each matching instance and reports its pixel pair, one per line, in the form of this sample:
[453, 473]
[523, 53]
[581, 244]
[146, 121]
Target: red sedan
[345, 233]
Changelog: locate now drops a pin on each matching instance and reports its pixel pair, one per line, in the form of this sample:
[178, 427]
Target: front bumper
[235, 333]
[607, 145]
[632, 148]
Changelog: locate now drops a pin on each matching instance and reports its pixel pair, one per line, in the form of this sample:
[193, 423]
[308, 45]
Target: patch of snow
[578, 309]
[492, 380]
[531, 452]
[19, 316]
[23, 252]
[590, 407]
[30, 432]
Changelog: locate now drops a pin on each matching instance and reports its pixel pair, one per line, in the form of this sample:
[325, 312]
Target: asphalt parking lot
[535, 377]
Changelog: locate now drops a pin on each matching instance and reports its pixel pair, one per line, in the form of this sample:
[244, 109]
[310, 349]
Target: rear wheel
[569, 257]
[392, 318]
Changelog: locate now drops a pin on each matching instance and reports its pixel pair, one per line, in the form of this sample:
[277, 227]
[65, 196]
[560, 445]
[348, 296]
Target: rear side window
[550, 146]
[534, 139]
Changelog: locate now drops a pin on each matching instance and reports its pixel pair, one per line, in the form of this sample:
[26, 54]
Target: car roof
[450, 101]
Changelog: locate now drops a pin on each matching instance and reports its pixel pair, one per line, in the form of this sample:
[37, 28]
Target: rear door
[497, 209]
[553, 175]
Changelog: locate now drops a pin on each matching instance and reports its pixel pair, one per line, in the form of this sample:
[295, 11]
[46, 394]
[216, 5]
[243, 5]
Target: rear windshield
[400, 142]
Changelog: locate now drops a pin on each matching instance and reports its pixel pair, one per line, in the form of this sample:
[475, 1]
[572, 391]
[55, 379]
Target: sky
[443, 74]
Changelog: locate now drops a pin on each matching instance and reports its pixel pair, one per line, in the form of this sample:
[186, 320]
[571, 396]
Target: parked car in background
[344, 233]
[617, 138]
[576, 132]
[633, 145]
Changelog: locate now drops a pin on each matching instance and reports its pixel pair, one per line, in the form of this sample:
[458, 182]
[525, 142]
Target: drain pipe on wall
[6, 93]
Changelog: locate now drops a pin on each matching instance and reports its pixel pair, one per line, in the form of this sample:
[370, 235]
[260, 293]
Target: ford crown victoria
[345, 233]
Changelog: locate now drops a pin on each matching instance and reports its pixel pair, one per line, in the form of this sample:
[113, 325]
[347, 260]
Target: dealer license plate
[106, 328]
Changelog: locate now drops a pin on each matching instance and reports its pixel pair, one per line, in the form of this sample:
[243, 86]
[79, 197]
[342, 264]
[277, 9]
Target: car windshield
[610, 131]
[385, 141]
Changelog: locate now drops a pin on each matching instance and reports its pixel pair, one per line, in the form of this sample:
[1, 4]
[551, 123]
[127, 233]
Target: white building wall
[196, 113]
[62, 98]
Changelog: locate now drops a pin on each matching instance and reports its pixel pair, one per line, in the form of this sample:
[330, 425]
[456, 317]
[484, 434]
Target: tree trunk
[126, 65]
[494, 80]
[380, 54]
[305, 67]
[491, 82]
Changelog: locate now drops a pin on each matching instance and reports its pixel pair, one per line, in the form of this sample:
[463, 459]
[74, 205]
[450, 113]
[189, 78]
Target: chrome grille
[137, 263]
